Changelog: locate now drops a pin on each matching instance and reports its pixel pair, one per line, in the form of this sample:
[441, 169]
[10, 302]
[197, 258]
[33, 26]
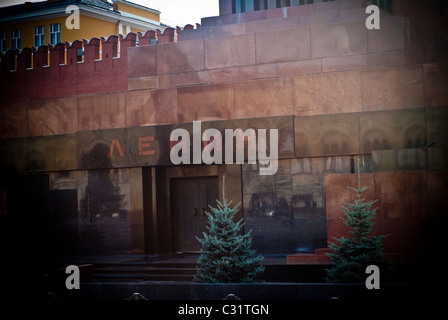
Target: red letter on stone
[115, 143]
[143, 145]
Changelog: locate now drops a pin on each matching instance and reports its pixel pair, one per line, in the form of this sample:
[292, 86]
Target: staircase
[143, 271]
[304, 267]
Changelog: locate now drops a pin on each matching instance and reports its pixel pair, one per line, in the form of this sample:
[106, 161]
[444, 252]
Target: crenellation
[9, 61]
[57, 54]
[24, 59]
[101, 63]
[40, 58]
[68, 54]
[165, 37]
[109, 47]
[148, 38]
[72, 52]
[91, 50]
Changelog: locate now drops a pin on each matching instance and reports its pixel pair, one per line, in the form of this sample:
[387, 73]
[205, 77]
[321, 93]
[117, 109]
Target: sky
[173, 12]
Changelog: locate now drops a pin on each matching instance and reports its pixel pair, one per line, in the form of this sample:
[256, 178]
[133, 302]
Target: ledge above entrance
[151, 145]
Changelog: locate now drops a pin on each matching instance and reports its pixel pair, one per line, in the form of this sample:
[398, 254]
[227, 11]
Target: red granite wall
[351, 91]
[411, 206]
[329, 63]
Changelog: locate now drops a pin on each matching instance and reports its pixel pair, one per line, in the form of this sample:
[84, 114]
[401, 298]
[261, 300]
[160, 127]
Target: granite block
[436, 84]
[230, 51]
[52, 116]
[343, 63]
[52, 153]
[327, 135]
[145, 107]
[180, 56]
[210, 102]
[338, 191]
[390, 36]
[295, 44]
[14, 155]
[437, 126]
[399, 159]
[392, 88]
[327, 93]
[142, 61]
[101, 111]
[259, 98]
[14, 120]
[401, 194]
[338, 39]
[395, 129]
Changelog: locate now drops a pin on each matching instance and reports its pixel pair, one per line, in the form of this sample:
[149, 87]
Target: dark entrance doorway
[63, 222]
[190, 199]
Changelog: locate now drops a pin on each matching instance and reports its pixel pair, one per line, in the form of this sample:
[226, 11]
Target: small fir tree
[226, 254]
[351, 256]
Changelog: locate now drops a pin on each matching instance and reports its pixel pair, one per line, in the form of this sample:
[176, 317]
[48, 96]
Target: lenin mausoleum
[85, 132]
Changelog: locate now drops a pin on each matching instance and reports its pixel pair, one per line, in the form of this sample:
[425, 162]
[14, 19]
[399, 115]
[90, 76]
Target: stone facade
[345, 99]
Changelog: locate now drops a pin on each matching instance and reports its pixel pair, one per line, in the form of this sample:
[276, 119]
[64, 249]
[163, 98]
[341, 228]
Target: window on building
[2, 41]
[79, 55]
[239, 6]
[249, 5]
[387, 5]
[256, 5]
[55, 33]
[309, 1]
[283, 3]
[39, 36]
[260, 5]
[16, 39]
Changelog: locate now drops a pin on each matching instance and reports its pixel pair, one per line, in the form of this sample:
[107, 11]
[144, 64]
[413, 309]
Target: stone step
[308, 258]
[122, 277]
[318, 257]
[145, 270]
[322, 251]
[145, 265]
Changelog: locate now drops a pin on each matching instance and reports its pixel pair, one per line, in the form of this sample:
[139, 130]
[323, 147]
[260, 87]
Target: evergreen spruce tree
[351, 256]
[226, 254]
